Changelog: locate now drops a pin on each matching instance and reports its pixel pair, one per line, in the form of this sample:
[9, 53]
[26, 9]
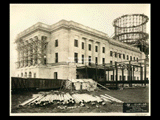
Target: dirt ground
[132, 95]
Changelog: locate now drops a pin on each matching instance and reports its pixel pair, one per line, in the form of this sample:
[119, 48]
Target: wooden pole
[141, 73]
[108, 75]
[145, 72]
[116, 74]
[130, 75]
[104, 73]
[123, 76]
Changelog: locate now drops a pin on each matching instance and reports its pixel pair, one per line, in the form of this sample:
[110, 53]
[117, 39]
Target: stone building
[60, 50]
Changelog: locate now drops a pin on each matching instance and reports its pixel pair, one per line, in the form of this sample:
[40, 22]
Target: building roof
[73, 25]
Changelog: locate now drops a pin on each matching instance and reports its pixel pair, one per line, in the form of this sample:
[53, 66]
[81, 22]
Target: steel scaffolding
[31, 52]
[131, 29]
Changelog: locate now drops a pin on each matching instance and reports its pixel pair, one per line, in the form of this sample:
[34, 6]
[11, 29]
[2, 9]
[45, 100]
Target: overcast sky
[97, 16]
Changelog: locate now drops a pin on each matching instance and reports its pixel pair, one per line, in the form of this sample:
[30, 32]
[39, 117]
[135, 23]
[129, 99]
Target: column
[100, 53]
[86, 52]
[113, 74]
[116, 74]
[39, 51]
[29, 56]
[123, 75]
[93, 51]
[34, 52]
[108, 75]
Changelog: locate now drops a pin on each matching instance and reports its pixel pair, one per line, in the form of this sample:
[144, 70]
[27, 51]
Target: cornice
[73, 25]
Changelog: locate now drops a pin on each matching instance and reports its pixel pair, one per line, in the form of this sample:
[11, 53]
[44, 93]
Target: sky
[97, 16]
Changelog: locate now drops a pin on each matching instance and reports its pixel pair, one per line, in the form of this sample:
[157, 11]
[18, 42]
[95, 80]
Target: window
[124, 77]
[111, 53]
[119, 55]
[103, 60]
[111, 77]
[115, 54]
[137, 59]
[76, 43]
[25, 74]
[82, 59]
[103, 50]
[89, 59]
[130, 57]
[127, 57]
[96, 48]
[82, 45]
[34, 75]
[89, 47]
[134, 58]
[123, 56]
[21, 74]
[45, 60]
[56, 57]
[56, 43]
[30, 74]
[55, 75]
[76, 57]
[96, 60]
[111, 62]
[120, 77]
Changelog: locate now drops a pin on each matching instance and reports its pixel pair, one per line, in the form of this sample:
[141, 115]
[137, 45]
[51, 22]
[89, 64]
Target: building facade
[56, 51]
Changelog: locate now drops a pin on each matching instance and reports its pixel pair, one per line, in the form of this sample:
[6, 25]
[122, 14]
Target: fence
[18, 83]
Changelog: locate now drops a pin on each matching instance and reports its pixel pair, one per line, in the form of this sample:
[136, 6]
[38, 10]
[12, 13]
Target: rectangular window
[96, 48]
[111, 62]
[103, 60]
[82, 45]
[56, 43]
[127, 57]
[55, 75]
[76, 43]
[111, 53]
[103, 50]
[137, 59]
[89, 47]
[89, 60]
[123, 56]
[45, 60]
[56, 57]
[115, 54]
[82, 59]
[130, 57]
[76, 57]
[119, 55]
[120, 77]
[96, 60]
[111, 77]
[124, 77]
[34, 75]
[134, 58]
[25, 74]
[21, 74]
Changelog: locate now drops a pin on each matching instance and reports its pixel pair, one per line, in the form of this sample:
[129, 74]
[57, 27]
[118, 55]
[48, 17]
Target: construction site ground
[130, 95]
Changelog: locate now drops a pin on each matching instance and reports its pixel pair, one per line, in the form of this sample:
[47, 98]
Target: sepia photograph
[80, 59]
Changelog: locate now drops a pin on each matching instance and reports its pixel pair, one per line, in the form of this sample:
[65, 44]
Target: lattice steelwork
[131, 29]
[31, 52]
